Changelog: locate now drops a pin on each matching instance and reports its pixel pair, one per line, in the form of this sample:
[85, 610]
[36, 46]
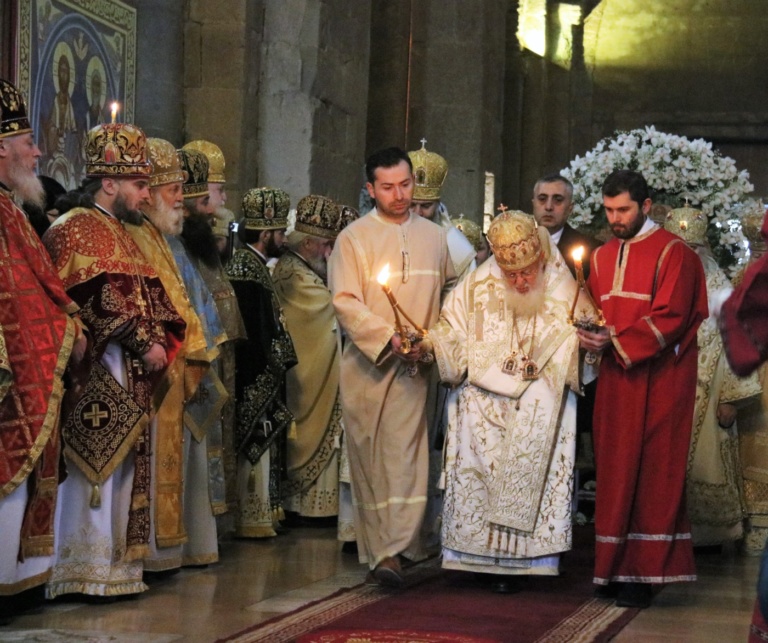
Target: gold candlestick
[577, 255]
[405, 343]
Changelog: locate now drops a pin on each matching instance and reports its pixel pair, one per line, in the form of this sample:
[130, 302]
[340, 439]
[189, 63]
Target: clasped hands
[155, 358]
[419, 349]
[596, 341]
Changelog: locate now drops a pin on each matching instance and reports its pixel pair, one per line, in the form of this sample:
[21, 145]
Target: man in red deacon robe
[651, 288]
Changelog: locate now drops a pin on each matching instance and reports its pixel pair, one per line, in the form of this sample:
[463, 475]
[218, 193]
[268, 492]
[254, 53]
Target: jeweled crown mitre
[13, 111]
[215, 156]
[687, 223]
[470, 229]
[516, 240]
[318, 215]
[265, 209]
[347, 216]
[195, 164]
[118, 150]
[429, 171]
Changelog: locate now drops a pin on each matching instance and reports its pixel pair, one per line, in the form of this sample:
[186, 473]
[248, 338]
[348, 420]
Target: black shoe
[637, 595]
[506, 585]
[349, 547]
[608, 592]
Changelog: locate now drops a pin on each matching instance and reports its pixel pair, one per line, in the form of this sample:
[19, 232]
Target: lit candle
[577, 255]
[114, 112]
[405, 345]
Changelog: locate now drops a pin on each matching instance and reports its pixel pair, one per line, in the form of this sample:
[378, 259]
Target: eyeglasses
[526, 274]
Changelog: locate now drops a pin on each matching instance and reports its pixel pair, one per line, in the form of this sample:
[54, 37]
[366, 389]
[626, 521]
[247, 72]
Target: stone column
[313, 97]
[221, 72]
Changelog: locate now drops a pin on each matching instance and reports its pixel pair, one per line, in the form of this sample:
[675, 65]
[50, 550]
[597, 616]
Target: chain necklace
[528, 368]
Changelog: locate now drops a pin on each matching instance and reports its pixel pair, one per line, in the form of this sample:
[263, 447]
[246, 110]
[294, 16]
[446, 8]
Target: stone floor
[257, 580]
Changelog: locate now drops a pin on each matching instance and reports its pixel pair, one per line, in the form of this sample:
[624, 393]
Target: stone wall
[437, 72]
[313, 96]
[159, 102]
[222, 65]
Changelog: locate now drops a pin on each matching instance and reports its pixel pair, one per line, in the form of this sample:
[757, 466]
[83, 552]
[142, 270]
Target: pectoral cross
[502, 208]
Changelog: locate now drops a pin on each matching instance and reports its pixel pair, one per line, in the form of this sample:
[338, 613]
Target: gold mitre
[317, 215]
[195, 164]
[472, 231]
[215, 157]
[222, 218]
[516, 240]
[429, 170]
[118, 150]
[166, 166]
[687, 223]
[265, 209]
[13, 111]
[753, 215]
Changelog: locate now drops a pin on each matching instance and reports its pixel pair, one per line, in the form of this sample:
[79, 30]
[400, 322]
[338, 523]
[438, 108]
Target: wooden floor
[256, 580]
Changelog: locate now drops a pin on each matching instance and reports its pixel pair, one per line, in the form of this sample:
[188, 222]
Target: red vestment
[122, 300]
[743, 319]
[654, 299]
[39, 334]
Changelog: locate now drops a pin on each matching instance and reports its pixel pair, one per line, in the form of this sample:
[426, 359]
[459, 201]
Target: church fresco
[75, 58]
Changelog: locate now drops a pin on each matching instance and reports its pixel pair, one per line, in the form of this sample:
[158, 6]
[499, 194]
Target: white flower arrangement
[676, 169]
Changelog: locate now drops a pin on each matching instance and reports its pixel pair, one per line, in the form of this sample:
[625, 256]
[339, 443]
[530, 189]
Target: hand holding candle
[405, 346]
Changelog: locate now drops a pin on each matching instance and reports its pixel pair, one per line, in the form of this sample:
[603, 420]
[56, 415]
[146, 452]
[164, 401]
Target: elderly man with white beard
[181, 483]
[40, 337]
[312, 386]
[504, 339]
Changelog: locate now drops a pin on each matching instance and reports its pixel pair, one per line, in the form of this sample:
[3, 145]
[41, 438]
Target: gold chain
[526, 356]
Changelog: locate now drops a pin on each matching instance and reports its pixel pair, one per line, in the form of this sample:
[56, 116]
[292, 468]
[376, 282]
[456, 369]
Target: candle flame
[114, 112]
[383, 275]
[578, 253]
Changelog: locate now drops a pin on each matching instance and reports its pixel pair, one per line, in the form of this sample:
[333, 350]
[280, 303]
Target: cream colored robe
[312, 488]
[715, 500]
[383, 408]
[511, 443]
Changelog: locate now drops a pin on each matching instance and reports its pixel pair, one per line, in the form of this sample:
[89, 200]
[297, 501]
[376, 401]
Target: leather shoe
[505, 586]
[609, 591]
[388, 572]
[637, 595]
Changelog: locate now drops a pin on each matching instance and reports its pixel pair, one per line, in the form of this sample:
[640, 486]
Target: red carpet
[455, 607]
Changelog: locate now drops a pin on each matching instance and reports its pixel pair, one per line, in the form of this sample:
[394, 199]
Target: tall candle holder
[587, 320]
[408, 338]
[405, 342]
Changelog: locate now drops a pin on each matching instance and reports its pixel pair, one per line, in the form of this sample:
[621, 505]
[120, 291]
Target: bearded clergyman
[136, 334]
[504, 339]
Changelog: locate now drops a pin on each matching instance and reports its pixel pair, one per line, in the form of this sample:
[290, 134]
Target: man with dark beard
[652, 290]
[136, 332]
[262, 361]
[40, 337]
[300, 277]
[200, 244]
